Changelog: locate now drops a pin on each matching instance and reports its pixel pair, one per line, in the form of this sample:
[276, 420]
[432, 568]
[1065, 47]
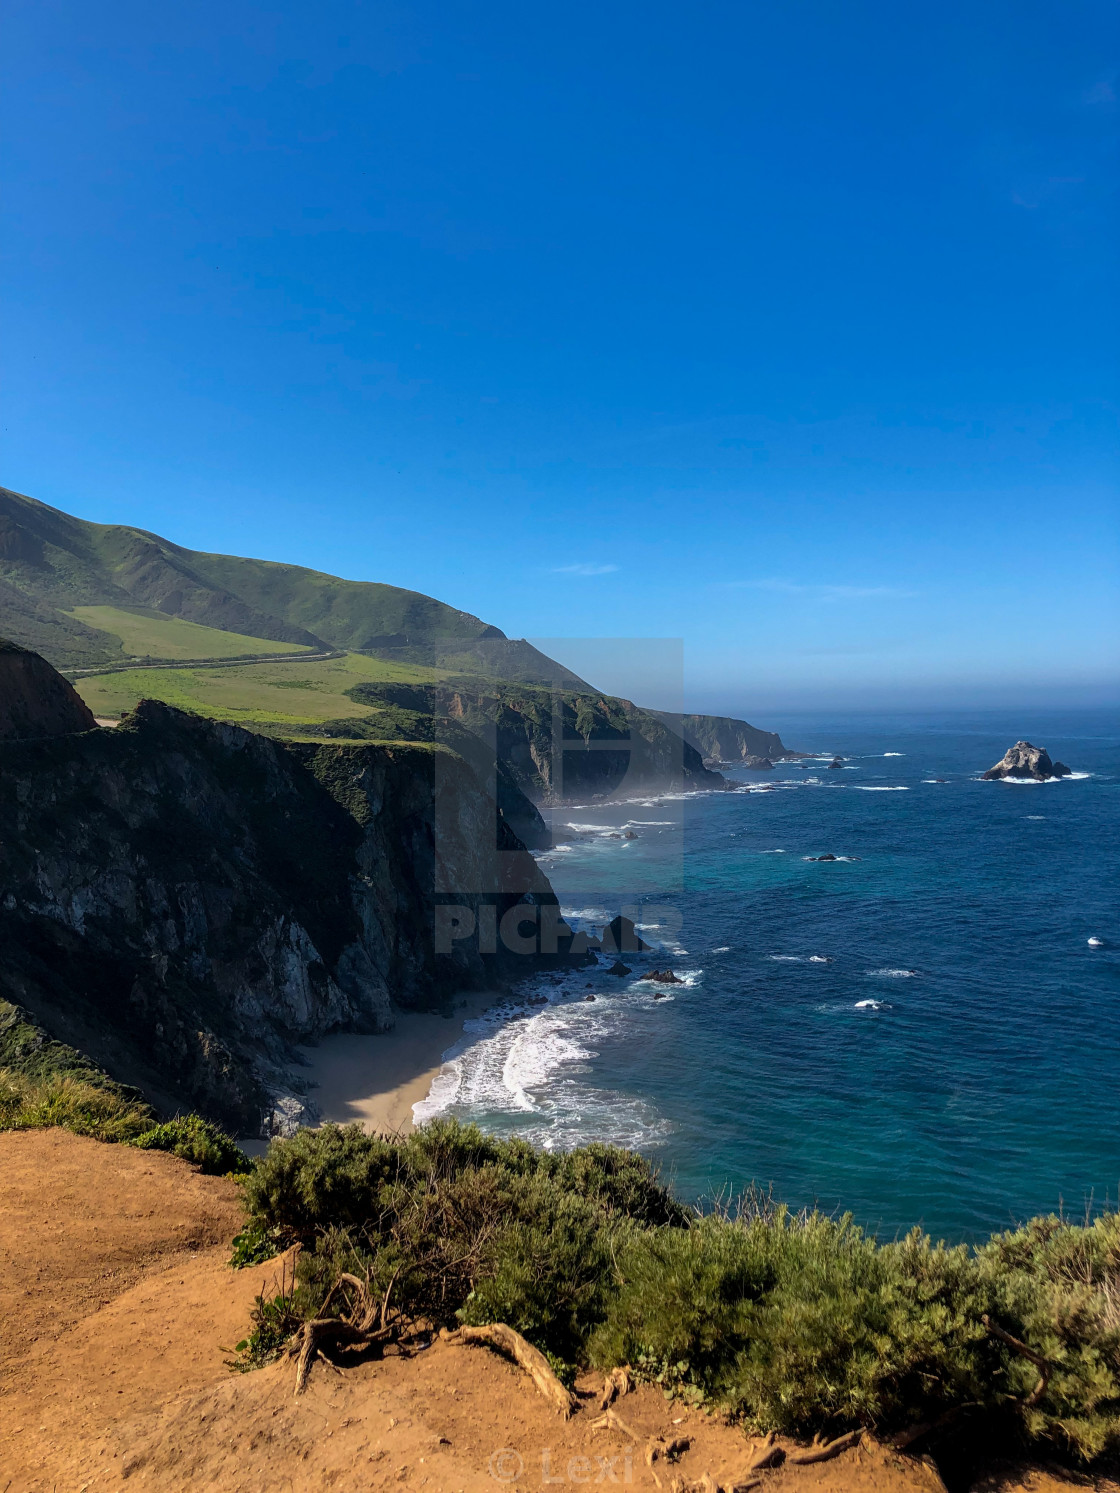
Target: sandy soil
[118, 1313]
[377, 1080]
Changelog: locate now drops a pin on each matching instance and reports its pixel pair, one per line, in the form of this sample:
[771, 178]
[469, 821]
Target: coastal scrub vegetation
[790, 1322]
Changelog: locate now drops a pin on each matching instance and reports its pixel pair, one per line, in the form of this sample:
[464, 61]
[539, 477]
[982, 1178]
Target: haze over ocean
[920, 1034]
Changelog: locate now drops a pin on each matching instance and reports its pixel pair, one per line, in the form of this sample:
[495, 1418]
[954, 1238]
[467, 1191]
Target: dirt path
[117, 1308]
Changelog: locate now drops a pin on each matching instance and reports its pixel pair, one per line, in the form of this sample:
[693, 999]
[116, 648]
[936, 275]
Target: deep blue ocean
[918, 1034]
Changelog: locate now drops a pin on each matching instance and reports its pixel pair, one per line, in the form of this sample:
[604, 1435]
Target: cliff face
[721, 738]
[552, 746]
[183, 900]
[35, 701]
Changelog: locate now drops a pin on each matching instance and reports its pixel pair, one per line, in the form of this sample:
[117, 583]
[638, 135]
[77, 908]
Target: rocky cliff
[184, 900]
[35, 701]
[553, 746]
[721, 738]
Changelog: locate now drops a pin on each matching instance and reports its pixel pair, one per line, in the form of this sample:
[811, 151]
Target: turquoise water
[919, 1034]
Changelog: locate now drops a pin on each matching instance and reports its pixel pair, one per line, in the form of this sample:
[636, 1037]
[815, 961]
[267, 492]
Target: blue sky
[790, 330]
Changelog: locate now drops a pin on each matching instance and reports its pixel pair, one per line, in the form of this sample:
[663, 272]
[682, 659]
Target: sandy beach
[376, 1080]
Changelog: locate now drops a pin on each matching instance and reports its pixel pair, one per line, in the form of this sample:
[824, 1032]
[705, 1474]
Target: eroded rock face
[184, 900]
[1026, 761]
[35, 701]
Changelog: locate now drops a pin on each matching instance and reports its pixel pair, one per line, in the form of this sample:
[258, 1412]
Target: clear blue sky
[790, 329]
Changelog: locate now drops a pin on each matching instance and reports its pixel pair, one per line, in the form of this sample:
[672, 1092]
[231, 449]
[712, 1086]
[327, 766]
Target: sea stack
[1026, 761]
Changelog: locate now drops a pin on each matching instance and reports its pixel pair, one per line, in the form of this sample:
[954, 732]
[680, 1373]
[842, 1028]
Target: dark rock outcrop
[35, 701]
[621, 937]
[758, 764]
[184, 900]
[1026, 761]
[663, 977]
[837, 762]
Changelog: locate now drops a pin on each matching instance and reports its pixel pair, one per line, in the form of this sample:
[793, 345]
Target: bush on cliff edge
[791, 1322]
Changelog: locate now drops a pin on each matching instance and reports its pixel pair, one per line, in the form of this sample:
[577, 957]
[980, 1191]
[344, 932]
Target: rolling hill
[61, 577]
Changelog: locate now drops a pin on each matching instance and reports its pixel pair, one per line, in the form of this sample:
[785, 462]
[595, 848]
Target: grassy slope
[52, 564]
[147, 634]
[279, 693]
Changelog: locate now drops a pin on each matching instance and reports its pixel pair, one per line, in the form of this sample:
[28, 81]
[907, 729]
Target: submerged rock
[1026, 761]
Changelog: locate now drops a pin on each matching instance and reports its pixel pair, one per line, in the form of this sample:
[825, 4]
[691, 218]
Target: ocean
[918, 1033]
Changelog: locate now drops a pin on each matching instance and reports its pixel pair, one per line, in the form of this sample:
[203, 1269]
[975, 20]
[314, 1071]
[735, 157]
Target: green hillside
[292, 694]
[144, 633]
[58, 572]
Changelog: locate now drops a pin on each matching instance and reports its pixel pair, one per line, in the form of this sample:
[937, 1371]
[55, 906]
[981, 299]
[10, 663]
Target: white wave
[873, 1005]
[1070, 777]
[866, 788]
[532, 1074]
[1036, 816]
[893, 974]
[653, 822]
[787, 958]
[773, 852]
[724, 948]
[585, 914]
[894, 754]
[820, 959]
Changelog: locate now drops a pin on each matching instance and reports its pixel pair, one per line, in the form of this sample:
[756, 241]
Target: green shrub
[793, 1323]
[198, 1141]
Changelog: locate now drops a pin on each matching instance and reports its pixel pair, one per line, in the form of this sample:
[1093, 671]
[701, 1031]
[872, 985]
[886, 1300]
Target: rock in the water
[618, 968]
[629, 835]
[829, 857]
[1026, 761]
[758, 764]
[836, 762]
[589, 997]
[621, 937]
[663, 977]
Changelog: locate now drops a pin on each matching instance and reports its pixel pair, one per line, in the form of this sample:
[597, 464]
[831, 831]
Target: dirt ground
[117, 1311]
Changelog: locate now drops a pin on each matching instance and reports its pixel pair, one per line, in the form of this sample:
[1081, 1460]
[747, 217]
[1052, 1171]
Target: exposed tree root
[615, 1385]
[612, 1421]
[354, 1329]
[827, 1450]
[768, 1455]
[536, 1365]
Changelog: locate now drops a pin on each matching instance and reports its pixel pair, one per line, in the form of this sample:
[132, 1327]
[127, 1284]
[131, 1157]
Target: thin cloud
[823, 592]
[583, 569]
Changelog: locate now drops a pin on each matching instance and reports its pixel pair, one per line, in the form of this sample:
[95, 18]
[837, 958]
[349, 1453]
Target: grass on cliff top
[282, 693]
[145, 633]
[105, 1111]
[788, 1322]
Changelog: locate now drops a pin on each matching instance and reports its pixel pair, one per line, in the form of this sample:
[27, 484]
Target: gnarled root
[615, 1385]
[768, 1455]
[355, 1329]
[827, 1450]
[536, 1365]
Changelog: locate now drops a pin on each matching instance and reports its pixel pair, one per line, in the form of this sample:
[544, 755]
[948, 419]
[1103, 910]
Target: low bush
[788, 1322]
[198, 1141]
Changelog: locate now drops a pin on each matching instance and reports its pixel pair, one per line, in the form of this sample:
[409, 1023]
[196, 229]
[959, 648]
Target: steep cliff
[554, 746]
[721, 738]
[183, 900]
[35, 701]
